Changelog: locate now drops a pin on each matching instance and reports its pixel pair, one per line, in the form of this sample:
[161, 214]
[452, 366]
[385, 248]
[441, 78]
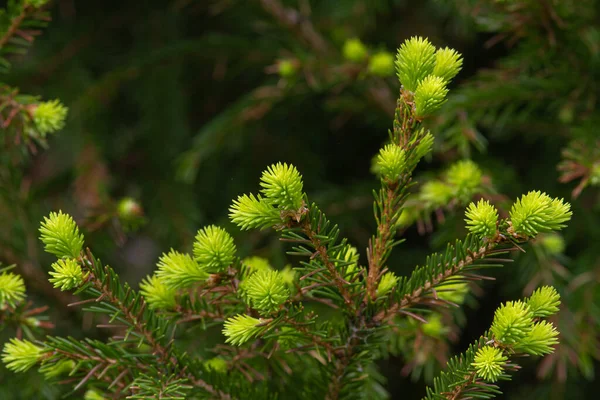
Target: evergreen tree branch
[457, 260]
[322, 253]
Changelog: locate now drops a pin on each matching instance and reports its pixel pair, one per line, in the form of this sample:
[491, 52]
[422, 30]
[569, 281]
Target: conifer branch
[423, 285]
[322, 253]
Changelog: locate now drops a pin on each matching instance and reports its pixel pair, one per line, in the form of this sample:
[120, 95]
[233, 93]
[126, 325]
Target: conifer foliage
[312, 331]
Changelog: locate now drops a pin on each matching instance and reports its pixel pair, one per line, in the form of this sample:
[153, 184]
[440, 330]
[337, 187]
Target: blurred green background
[180, 105]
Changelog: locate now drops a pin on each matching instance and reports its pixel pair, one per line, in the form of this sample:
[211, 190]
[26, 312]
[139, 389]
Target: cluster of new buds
[533, 213]
[61, 237]
[281, 195]
[519, 327]
[425, 72]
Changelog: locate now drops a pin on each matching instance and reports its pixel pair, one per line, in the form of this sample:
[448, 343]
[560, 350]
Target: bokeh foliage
[179, 105]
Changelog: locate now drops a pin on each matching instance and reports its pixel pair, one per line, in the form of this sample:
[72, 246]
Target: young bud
[12, 290]
[282, 185]
[435, 194]
[93, 394]
[430, 95]
[423, 147]
[544, 302]
[387, 282]
[242, 328]
[177, 270]
[129, 210]
[214, 249]
[466, 178]
[552, 242]
[216, 364]
[49, 117]
[286, 68]
[489, 363]
[536, 212]
[453, 290]
[414, 61]
[257, 264]
[448, 63]
[61, 236]
[434, 326]
[21, 355]
[56, 369]
[381, 64]
[67, 274]
[539, 340]
[391, 162]
[481, 219]
[512, 322]
[157, 294]
[354, 50]
[266, 291]
[249, 212]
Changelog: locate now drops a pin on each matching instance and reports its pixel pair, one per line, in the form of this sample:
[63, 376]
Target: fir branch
[458, 259]
[20, 13]
[321, 251]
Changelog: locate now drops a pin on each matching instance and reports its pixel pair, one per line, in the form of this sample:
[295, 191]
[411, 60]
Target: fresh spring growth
[49, 116]
[282, 186]
[214, 249]
[56, 369]
[391, 162]
[177, 270]
[354, 50]
[423, 147]
[12, 290]
[544, 302]
[128, 209]
[430, 95]
[466, 178]
[67, 274]
[434, 327]
[539, 340]
[515, 323]
[257, 264]
[266, 291]
[414, 61]
[20, 355]
[481, 218]
[157, 294]
[61, 236]
[537, 212]
[216, 364]
[512, 322]
[489, 363]
[453, 290]
[435, 194]
[286, 68]
[386, 283]
[249, 212]
[381, 64]
[242, 328]
[93, 395]
[552, 242]
[447, 63]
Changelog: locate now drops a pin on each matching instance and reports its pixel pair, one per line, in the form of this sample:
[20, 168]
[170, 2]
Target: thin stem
[321, 251]
[16, 22]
